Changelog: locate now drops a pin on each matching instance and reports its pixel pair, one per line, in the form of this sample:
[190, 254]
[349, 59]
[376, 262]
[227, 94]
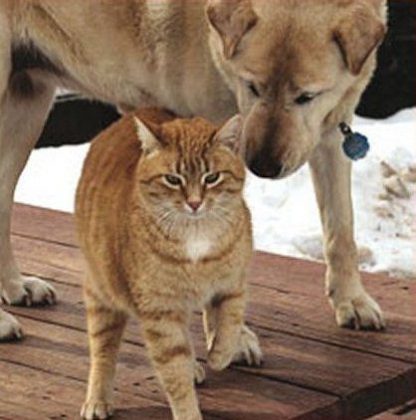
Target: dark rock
[74, 120]
[394, 84]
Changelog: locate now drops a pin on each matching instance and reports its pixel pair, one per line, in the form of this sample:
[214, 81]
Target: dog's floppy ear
[230, 133]
[232, 19]
[147, 135]
[358, 33]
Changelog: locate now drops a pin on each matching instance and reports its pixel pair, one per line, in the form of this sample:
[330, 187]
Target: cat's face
[190, 172]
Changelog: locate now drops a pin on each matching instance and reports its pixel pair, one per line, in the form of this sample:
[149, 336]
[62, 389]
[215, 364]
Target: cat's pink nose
[194, 204]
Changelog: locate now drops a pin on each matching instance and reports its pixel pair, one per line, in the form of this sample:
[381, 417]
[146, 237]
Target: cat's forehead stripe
[192, 159]
[190, 164]
[191, 139]
[202, 167]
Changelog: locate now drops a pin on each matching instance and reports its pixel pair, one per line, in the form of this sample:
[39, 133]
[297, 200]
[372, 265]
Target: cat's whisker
[172, 225]
[164, 216]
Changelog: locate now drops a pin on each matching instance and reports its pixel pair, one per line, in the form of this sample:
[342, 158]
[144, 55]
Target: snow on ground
[285, 215]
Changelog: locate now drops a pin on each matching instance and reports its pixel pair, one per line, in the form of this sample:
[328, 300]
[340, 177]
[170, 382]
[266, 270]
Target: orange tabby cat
[165, 230]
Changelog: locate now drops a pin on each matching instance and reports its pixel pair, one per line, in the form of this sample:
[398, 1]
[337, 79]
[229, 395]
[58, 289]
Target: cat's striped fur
[159, 250]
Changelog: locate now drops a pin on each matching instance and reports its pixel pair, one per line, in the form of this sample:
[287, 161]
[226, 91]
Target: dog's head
[293, 65]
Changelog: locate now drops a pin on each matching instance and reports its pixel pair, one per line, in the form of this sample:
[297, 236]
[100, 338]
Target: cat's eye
[173, 180]
[305, 98]
[212, 178]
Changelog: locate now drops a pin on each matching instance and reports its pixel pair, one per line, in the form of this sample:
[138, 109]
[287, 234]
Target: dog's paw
[199, 373]
[248, 352]
[361, 312]
[10, 328]
[96, 409]
[29, 291]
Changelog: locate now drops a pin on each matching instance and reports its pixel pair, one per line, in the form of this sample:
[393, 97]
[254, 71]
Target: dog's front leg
[24, 106]
[331, 174]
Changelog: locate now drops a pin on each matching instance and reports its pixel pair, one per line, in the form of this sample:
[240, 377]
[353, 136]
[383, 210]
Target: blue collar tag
[355, 146]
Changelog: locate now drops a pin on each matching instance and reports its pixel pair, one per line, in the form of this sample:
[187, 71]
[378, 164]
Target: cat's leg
[199, 370]
[25, 100]
[105, 330]
[228, 338]
[166, 332]
[210, 322]
[331, 172]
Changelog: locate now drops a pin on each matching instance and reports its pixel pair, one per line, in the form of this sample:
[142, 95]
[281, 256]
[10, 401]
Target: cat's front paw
[248, 350]
[219, 359]
[96, 409]
[199, 373]
[359, 312]
[28, 291]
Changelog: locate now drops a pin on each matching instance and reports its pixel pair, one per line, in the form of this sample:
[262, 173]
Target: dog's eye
[305, 98]
[211, 179]
[253, 89]
[173, 180]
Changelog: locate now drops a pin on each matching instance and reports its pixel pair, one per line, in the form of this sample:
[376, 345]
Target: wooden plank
[301, 338]
[45, 224]
[57, 397]
[287, 296]
[313, 319]
[8, 409]
[405, 412]
[377, 385]
[27, 386]
[56, 258]
[260, 315]
[61, 351]
[386, 416]
[286, 280]
[305, 280]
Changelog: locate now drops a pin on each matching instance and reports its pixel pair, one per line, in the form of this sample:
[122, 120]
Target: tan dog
[295, 69]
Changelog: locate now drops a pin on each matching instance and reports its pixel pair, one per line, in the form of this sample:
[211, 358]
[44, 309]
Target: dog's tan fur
[197, 58]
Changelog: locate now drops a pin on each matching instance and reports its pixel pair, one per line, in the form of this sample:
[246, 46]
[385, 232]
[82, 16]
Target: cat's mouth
[195, 210]
[198, 216]
[195, 216]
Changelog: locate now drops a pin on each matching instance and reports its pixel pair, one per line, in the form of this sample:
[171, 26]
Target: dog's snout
[265, 167]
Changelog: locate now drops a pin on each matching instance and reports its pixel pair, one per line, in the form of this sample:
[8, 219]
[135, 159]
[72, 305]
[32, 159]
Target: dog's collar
[356, 145]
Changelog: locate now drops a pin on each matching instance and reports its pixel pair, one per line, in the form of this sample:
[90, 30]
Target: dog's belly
[215, 104]
[116, 56]
[185, 98]
[208, 98]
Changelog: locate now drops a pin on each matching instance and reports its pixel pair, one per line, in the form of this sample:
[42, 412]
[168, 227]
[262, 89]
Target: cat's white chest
[197, 247]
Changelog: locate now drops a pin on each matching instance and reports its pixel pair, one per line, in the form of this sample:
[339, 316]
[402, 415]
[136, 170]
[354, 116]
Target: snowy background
[285, 215]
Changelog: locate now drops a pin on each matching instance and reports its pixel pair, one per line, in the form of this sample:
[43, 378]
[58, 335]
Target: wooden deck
[312, 370]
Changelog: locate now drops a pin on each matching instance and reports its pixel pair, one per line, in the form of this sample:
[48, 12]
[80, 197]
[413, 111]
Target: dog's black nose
[265, 167]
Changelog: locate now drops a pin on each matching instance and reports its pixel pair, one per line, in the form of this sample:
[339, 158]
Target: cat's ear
[147, 136]
[230, 133]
